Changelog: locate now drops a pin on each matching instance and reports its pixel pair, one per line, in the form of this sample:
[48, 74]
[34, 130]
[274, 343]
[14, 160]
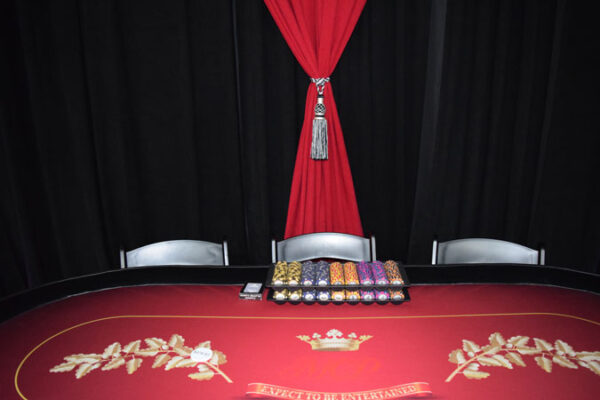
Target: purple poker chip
[367, 295]
[382, 295]
[364, 273]
[379, 273]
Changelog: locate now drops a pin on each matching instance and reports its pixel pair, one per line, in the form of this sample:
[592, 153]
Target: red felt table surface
[409, 343]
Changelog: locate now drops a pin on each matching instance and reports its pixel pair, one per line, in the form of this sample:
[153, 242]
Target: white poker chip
[201, 354]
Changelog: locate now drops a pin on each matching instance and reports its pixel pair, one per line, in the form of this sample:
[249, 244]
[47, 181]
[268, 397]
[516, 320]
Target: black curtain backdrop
[128, 122]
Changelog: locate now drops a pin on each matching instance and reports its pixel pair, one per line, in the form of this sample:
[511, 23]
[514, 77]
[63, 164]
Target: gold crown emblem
[334, 341]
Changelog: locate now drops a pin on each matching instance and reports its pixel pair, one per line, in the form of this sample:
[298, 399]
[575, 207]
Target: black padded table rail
[234, 275]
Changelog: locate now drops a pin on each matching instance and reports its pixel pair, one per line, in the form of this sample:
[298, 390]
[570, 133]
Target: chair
[324, 245]
[176, 252]
[479, 250]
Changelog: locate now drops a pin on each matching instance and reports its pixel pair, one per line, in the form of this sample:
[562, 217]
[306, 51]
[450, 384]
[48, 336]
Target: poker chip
[367, 295]
[308, 273]
[379, 274]
[338, 295]
[393, 272]
[295, 295]
[280, 274]
[323, 295]
[294, 273]
[352, 295]
[365, 275]
[382, 295]
[338, 282]
[350, 274]
[336, 273]
[322, 273]
[397, 295]
[280, 295]
[309, 295]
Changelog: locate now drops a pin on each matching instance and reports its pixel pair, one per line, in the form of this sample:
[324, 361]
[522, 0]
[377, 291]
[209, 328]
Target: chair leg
[225, 253]
[273, 251]
[373, 249]
[123, 258]
[434, 252]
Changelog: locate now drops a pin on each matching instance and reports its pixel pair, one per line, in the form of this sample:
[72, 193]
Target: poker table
[468, 332]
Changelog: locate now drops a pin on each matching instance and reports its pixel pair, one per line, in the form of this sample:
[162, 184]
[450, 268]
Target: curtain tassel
[318, 148]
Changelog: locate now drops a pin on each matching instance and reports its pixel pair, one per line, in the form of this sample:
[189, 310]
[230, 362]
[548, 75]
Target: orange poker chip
[351, 274]
[336, 273]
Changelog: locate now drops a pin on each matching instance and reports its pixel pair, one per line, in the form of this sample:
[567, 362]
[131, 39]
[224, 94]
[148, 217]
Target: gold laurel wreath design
[506, 353]
[172, 354]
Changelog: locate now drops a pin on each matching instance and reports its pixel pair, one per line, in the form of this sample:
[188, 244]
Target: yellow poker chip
[280, 274]
[338, 295]
[280, 294]
[295, 295]
[352, 295]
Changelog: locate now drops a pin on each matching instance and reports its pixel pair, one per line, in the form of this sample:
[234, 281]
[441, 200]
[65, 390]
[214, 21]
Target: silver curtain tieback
[318, 148]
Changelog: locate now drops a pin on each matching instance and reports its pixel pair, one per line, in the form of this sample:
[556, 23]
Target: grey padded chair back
[324, 245]
[177, 252]
[484, 251]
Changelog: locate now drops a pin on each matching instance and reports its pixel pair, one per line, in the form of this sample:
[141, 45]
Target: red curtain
[322, 197]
